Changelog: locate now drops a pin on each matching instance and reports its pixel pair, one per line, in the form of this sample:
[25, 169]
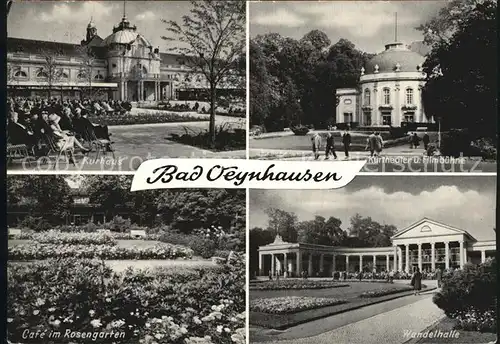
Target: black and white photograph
[106, 85]
[382, 260]
[407, 86]
[92, 262]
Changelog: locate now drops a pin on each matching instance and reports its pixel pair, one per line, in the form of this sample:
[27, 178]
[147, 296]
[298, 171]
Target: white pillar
[447, 254]
[483, 256]
[395, 262]
[400, 259]
[321, 262]
[465, 253]
[433, 256]
[299, 263]
[310, 267]
[461, 252]
[419, 256]
[374, 263]
[387, 268]
[273, 268]
[360, 263]
[260, 265]
[347, 263]
[285, 262]
[407, 258]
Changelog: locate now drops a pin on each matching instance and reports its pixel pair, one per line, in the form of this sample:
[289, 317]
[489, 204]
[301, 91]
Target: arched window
[144, 70]
[64, 75]
[20, 74]
[367, 99]
[98, 76]
[42, 74]
[387, 96]
[409, 96]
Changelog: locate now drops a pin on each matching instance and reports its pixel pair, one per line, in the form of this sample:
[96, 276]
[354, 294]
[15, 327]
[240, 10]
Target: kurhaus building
[389, 90]
[124, 65]
[426, 244]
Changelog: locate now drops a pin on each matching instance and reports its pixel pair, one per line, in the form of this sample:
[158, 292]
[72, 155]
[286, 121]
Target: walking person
[416, 281]
[379, 143]
[439, 276]
[316, 145]
[330, 147]
[415, 141]
[372, 143]
[426, 141]
[346, 140]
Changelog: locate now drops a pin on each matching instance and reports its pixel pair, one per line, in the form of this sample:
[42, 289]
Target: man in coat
[316, 145]
[330, 147]
[416, 281]
[346, 140]
[372, 143]
[426, 141]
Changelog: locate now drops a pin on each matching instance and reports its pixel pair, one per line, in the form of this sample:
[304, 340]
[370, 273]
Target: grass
[226, 139]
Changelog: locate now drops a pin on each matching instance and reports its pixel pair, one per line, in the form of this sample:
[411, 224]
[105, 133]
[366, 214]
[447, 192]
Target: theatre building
[389, 92]
[123, 66]
[426, 244]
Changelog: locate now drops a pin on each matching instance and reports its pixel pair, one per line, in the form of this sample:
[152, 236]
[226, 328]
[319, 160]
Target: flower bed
[87, 296]
[62, 238]
[145, 118]
[474, 320]
[384, 292]
[296, 284]
[37, 251]
[291, 304]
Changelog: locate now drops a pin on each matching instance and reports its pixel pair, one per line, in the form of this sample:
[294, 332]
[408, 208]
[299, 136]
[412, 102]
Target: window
[347, 117]
[42, 74]
[387, 96]
[64, 75]
[367, 99]
[410, 117]
[409, 96]
[386, 118]
[368, 118]
[347, 101]
[114, 65]
[81, 75]
[98, 76]
[20, 74]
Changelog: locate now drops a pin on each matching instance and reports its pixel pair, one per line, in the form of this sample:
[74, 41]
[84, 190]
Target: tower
[91, 30]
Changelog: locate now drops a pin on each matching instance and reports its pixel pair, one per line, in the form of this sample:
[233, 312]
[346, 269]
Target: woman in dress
[64, 139]
[416, 281]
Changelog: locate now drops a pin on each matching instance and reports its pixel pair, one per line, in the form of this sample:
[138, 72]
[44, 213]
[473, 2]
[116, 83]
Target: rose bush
[291, 304]
[151, 306]
[37, 251]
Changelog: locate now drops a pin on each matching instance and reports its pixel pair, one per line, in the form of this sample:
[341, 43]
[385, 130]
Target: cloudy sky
[368, 24]
[466, 202]
[67, 21]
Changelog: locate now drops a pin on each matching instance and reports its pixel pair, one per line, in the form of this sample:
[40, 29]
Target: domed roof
[396, 57]
[121, 37]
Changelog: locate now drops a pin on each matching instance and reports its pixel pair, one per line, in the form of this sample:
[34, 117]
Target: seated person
[107, 108]
[62, 138]
[66, 123]
[18, 133]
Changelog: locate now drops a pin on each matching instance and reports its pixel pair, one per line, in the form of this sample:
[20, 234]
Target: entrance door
[386, 118]
[368, 118]
[347, 117]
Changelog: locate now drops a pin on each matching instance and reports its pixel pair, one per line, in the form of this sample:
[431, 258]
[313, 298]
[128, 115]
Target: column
[321, 262]
[138, 90]
[433, 256]
[419, 256]
[260, 273]
[285, 262]
[374, 263]
[347, 263]
[461, 252]
[465, 253]
[483, 256]
[407, 258]
[360, 263]
[298, 263]
[395, 264]
[310, 267]
[273, 268]
[447, 254]
[400, 259]
[333, 263]
[376, 112]
[387, 268]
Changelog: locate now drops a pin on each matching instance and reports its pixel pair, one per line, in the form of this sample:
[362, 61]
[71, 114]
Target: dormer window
[20, 74]
[98, 76]
[42, 75]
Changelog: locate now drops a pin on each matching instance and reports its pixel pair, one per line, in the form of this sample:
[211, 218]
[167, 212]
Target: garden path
[372, 324]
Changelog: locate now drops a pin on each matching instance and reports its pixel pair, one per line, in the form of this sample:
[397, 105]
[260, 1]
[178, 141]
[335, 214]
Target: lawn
[350, 294]
[465, 337]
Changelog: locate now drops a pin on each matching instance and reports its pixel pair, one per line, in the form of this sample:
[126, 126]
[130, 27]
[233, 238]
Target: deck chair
[101, 145]
[18, 152]
[58, 151]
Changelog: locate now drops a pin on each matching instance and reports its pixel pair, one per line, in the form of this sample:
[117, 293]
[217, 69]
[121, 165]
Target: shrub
[455, 143]
[225, 139]
[35, 223]
[484, 148]
[300, 130]
[203, 247]
[397, 132]
[469, 291]
[61, 238]
[384, 292]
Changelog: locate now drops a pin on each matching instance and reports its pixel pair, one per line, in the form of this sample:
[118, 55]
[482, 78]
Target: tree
[213, 36]
[370, 233]
[50, 70]
[461, 92]
[258, 237]
[108, 191]
[87, 57]
[321, 231]
[283, 223]
[46, 196]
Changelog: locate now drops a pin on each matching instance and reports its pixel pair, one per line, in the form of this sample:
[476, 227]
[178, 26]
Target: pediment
[429, 228]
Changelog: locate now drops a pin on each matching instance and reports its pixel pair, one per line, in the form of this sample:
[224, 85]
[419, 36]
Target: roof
[170, 59]
[124, 37]
[394, 54]
[425, 219]
[36, 47]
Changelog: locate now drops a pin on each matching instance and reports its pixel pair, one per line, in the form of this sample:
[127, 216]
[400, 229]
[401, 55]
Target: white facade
[426, 244]
[389, 91]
